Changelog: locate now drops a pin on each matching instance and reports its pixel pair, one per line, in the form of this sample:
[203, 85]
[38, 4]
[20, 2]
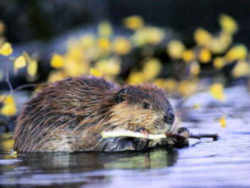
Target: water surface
[205, 163]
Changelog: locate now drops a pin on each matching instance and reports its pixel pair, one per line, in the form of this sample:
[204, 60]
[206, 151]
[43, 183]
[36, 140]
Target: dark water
[223, 163]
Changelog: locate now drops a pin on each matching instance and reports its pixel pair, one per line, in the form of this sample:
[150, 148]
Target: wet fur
[69, 115]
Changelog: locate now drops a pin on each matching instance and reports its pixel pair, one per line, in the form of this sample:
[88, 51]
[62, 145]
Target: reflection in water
[77, 169]
[79, 162]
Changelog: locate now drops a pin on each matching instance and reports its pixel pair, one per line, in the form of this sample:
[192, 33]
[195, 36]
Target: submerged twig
[199, 136]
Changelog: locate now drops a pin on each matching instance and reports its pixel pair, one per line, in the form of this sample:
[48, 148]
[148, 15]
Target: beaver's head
[142, 108]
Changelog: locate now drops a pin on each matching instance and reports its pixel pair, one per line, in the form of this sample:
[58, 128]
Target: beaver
[70, 114]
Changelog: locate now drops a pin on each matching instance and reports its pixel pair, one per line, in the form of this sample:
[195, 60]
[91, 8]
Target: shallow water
[223, 163]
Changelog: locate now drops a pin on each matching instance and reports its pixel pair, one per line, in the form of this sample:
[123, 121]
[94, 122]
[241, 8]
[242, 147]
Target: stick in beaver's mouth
[127, 133]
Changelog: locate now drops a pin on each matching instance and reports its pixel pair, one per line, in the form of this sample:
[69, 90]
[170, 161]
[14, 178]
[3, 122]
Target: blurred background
[181, 46]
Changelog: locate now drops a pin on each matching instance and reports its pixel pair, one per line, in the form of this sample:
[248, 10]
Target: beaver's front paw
[122, 144]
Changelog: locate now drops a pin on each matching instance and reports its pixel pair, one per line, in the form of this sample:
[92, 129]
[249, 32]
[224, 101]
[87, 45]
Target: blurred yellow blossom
[110, 67]
[217, 91]
[223, 122]
[237, 52]
[95, 72]
[242, 68]
[56, 76]
[32, 68]
[19, 63]
[88, 41]
[134, 22]
[148, 35]
[187, 88]
[220, 43]
[75, 68]
[196, 106]
[104, 44]
[151, 68]
[104, 29]
[204, 55]
[218, 63]
[135, 78]
[6, 49]
[169, 85]
[57, 61]
[194, 68]
[175, 49]
[228, 24]
[202, 37]
[74, 52]
[121, 45]
[7, 143]
[188, 55]
[9, 105]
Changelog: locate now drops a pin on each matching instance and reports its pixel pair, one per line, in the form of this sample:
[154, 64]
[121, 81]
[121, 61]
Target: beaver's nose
[169, 118]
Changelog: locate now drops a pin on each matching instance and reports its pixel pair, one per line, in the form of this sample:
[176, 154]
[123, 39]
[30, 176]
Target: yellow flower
[223, 122]
[219, 62]
[95, 72]
[188, 55]
[56, 76]
[238, 52]
[88, 41]
[196, 106]
[6, 49]
[104, 44]
[194, 68]
[110, 67]
[217, 91]
[57, 61]
[134, 22]
[202, 37]
[32, 68]
[19, 63]
[169, 85]
[204, 55]
[104, 29]
[242, 68]
[76, 68]
[151, 69]
[187, 88]
[228, 24]
[121, 46]
[75, 52]
[175, 49]
[148, 35]
[136, 78]
[9, 105]
[221, 43]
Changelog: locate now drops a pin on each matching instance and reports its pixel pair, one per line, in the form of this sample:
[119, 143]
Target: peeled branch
[127, 133]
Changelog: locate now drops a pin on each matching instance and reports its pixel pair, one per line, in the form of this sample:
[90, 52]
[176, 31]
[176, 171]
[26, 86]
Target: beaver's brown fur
[69, 115]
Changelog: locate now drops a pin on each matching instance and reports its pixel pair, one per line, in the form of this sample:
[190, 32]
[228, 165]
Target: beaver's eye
[169, 119]
[146, 105]
[120, 96]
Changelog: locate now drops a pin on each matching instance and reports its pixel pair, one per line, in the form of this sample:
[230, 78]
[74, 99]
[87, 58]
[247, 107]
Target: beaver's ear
[120, 95]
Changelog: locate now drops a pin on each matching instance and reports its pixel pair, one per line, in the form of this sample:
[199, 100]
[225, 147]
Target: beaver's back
[58, 109]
